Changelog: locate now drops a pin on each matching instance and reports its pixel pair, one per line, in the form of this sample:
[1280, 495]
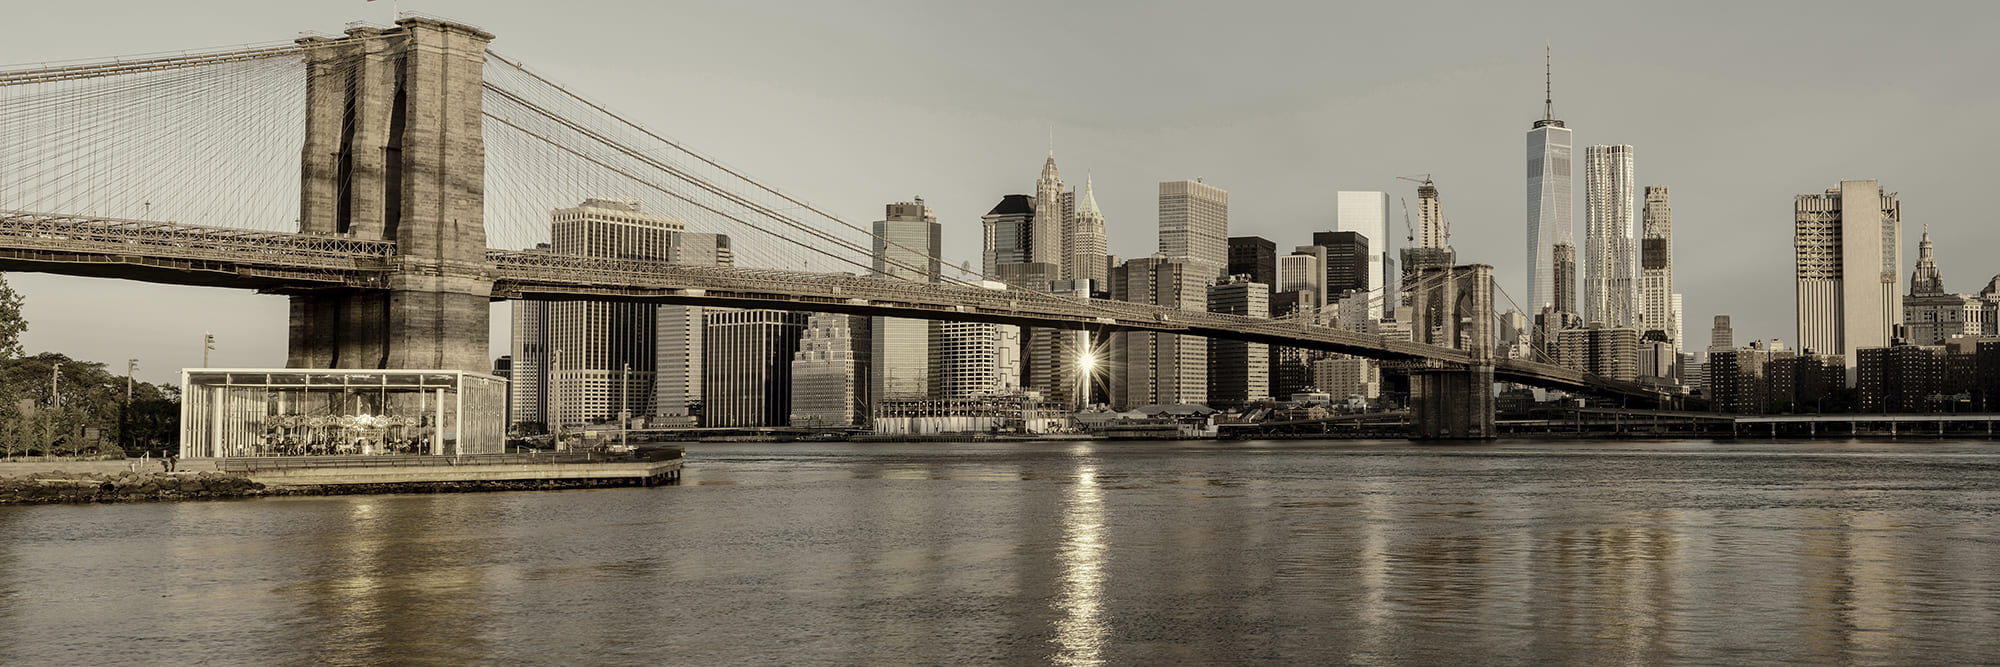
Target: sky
[1736, 107]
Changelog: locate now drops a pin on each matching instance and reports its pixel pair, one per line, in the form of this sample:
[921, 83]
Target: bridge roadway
[283, 263]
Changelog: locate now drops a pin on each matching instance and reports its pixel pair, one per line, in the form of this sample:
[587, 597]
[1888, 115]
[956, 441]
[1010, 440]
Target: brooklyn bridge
[365, 176]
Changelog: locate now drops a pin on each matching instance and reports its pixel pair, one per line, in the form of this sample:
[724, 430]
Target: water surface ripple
[1062, 553]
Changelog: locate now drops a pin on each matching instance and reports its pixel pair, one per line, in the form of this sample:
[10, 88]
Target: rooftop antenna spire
[1548, 83]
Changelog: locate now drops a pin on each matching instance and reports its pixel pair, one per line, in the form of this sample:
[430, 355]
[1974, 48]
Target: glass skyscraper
[1550, 204]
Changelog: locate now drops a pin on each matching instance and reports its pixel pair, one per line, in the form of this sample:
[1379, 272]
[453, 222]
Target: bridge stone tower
[393, 151]
[1454, 308]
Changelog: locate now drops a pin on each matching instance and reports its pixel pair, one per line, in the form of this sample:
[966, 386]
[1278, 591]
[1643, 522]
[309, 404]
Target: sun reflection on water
[1080, 631]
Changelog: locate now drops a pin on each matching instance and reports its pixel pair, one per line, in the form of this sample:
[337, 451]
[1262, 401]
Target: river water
[1065, 553]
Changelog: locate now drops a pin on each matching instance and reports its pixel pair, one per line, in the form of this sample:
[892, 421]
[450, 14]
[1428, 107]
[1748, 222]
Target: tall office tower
[1051, 225]
[601, 354]
[1084, 252]
[1050, 357]
[1238, 372]
[830, 372]
[1194, 225]
[1008, 230]
[1158, 368]
[1304, 271]
[902, 350]
[1656, 264]
[1849, 254]
[527, 389]
[1608, 290]
[1550, 206]
[1367, 214]
[748, 375]
[678, 355]
[1254, 256]
[1349, 265]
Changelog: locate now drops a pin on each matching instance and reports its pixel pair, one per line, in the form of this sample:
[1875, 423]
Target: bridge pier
[1454, 308]
[393, 151]
[1453, 403]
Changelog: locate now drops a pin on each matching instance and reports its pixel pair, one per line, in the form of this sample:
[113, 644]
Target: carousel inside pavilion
[340, 412]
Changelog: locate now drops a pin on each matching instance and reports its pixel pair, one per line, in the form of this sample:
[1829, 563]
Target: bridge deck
[177, 253]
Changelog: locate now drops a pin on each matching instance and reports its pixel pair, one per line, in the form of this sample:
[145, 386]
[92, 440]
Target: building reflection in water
[1081, 629]
[378, 584]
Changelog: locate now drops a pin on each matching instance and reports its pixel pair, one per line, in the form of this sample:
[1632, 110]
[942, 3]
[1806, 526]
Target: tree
[12, 325]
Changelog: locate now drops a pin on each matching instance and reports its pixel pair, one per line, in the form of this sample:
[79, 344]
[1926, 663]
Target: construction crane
[1409, 231]
[1426, 180]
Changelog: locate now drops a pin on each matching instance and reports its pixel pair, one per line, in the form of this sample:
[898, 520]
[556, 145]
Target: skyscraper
[678, 355]
[830, 372]
[1305, 271]
[747, 379]
[1609, 290]
[903, 351]
[1550, 206]
[1848, 248]
[601, 354]
[1084, 252]
[527, 388]
[1159, 368]
[1008, 230]
[1350, 265]
[1194, 226]
[1367, 214]
[1238, 372]
[1656, 265]
[1051, 225]
[1254, 256]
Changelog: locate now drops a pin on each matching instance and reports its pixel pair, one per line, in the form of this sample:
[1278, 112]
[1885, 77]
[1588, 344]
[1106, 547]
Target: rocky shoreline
[125, 486]
[58, 487]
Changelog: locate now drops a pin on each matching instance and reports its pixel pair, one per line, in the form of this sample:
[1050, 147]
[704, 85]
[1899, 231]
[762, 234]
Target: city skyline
[1734, 159]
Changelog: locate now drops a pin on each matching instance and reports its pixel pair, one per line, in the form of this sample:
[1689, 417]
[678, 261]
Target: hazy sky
[1737, 107]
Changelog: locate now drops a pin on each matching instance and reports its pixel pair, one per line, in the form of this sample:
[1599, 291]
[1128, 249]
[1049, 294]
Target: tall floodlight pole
[625, 408]
[55, 371]
[555, 400]
[207, 345]
[124, 414]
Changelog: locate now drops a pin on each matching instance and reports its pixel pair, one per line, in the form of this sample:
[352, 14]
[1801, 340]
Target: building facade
[1238, 372]
[1254, 256]
[601, 354]
[1847, 245]
[1610, 289]
[904, 351]
[830, 372]
[1085, 249]
[1367, 213]
[1194, 225]
[1658, 309]
[1150, 368]
[1551, 206]
[747, 377]
[1930, 315]
[678, 355]
[1350, 266]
